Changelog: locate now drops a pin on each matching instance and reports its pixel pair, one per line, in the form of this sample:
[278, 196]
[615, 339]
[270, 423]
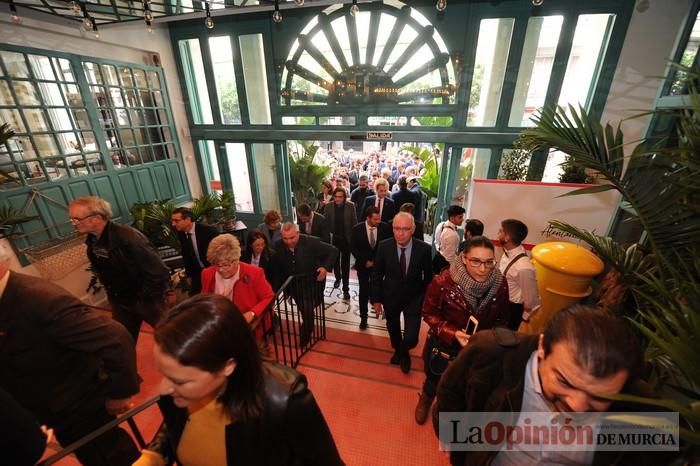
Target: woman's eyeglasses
[489, 263]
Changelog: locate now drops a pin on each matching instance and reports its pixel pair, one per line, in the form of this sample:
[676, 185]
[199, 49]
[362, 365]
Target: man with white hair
[132, 272]
[401, 273]
[72, 368]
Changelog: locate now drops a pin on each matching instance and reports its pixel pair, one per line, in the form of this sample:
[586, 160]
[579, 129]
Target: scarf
[478, 294]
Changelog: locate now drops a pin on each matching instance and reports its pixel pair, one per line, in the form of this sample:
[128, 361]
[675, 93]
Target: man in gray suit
[341, 218]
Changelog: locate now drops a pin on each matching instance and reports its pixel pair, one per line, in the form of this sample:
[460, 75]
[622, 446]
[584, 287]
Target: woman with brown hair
[258, 252]
[270, 227]
[221, 405]
[471, 286]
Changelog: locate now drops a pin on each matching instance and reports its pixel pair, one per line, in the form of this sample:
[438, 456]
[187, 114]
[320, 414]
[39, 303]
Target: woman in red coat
[244, 284]
[471, 286]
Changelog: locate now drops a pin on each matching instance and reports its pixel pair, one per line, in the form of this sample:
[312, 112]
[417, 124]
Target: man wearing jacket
[127, 265]
[70, 367]
[363, 244]
[401, 273]
[194, 241]
[584, 352]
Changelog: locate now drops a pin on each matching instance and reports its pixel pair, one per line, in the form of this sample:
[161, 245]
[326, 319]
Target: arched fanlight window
[386, 53]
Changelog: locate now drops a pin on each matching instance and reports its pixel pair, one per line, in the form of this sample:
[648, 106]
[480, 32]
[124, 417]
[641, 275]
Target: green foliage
[153, 220]
[661, 186]
[435, 121]
[10, 219]
[573, 173]
[204, 208]
[477, 81]
[6, 133]
[306, 175]
[228, 100]
[515, 163]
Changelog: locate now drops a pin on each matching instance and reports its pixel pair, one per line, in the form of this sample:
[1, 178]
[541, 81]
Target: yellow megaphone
[564, 272]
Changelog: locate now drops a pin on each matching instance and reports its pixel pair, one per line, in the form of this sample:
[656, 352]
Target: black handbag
[439, 358]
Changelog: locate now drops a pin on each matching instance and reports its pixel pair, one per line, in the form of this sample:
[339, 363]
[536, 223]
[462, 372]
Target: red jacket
[252, 291]
[446, 310]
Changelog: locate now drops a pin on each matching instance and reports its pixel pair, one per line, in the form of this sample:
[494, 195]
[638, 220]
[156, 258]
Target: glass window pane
[41, 67]
[68, 142]
[64, 69]
[51, 94]
[36, 119]
[153, 80]
[158, 98]
[536, 64]
[266, 172]
[10, 183]
[92, 72]
[553, 168]
[225, 79]
[80, 117]
[339, 121]
[240, 179]
[474, 161]
[95, 163]
[116, 96]
[440, 121]
[72, 95]
[255, 76]
[11, 117]
[210, 164]
[99, 96]
[298, 120]
[46, 145]
[26, 94]
[140, 78]
[132, 98]
[687, 59]
[195, 80]
[125, 76]
[387, 121]
[110, 74]
[489, 69]
[589, 44]
[15, 64]
[60, 120]
[22, 148]
[88, 141]
[5, 95]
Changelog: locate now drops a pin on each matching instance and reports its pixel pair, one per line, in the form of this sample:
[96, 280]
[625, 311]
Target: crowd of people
[66, 367]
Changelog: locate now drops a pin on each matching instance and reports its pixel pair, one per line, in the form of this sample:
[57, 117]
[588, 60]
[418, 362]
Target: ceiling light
[276, 15]
[354, 9]
[440, 5]
[208, 21]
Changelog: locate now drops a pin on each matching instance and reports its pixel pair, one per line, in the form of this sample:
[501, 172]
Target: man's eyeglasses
[80, 219]
[489, 264]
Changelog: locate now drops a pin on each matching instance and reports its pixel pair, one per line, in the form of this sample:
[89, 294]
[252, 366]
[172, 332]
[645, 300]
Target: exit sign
[379, 135]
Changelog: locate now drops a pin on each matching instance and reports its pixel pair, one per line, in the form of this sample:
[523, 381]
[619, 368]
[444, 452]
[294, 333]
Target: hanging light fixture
[441, 5]
[147, 14]
[299, 2]
[13, 13]
[94, 29]
[208, 21]
[75, 7]
[354, 9]
[537, 2]
[276, 15]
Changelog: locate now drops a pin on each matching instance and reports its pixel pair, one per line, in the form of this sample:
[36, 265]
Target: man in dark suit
[381, 201]
[421, 204]
[312, 223]
[403, 195]
[341, 218]
[72, 368]
[194, 241]
[401, 273]
[363, 244]
[359, 194]
[310, 259]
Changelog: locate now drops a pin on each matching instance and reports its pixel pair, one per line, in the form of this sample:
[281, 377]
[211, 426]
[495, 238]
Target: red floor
[367, 402]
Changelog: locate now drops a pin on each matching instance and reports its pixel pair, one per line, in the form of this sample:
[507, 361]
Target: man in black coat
[72, 368]
[308, 258]
[194, 241]
[363, 244]
[401, 273]
[313, 223]
[341, 218]
[381, 201]
[403, 195]
[359, 194]
[127, 264]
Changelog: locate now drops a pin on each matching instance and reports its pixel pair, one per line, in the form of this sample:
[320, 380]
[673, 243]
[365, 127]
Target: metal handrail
[128, 417]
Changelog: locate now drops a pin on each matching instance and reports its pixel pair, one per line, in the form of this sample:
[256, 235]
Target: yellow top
[203, 442]
[567, 258]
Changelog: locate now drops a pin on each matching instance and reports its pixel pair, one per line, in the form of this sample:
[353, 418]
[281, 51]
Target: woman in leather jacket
[221, 405]
[471, 286]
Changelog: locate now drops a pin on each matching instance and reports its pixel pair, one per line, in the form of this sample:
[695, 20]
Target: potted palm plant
[655, 283]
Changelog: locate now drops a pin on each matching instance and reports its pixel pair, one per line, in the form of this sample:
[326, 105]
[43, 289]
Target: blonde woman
[242, 283]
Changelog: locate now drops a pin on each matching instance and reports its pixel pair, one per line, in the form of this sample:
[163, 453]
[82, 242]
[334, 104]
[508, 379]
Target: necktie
[402, 262]
[372, 238]
[380, 204]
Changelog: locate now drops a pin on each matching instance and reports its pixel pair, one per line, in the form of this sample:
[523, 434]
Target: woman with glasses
[471, 287]
[242, 283]
[223, 406]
